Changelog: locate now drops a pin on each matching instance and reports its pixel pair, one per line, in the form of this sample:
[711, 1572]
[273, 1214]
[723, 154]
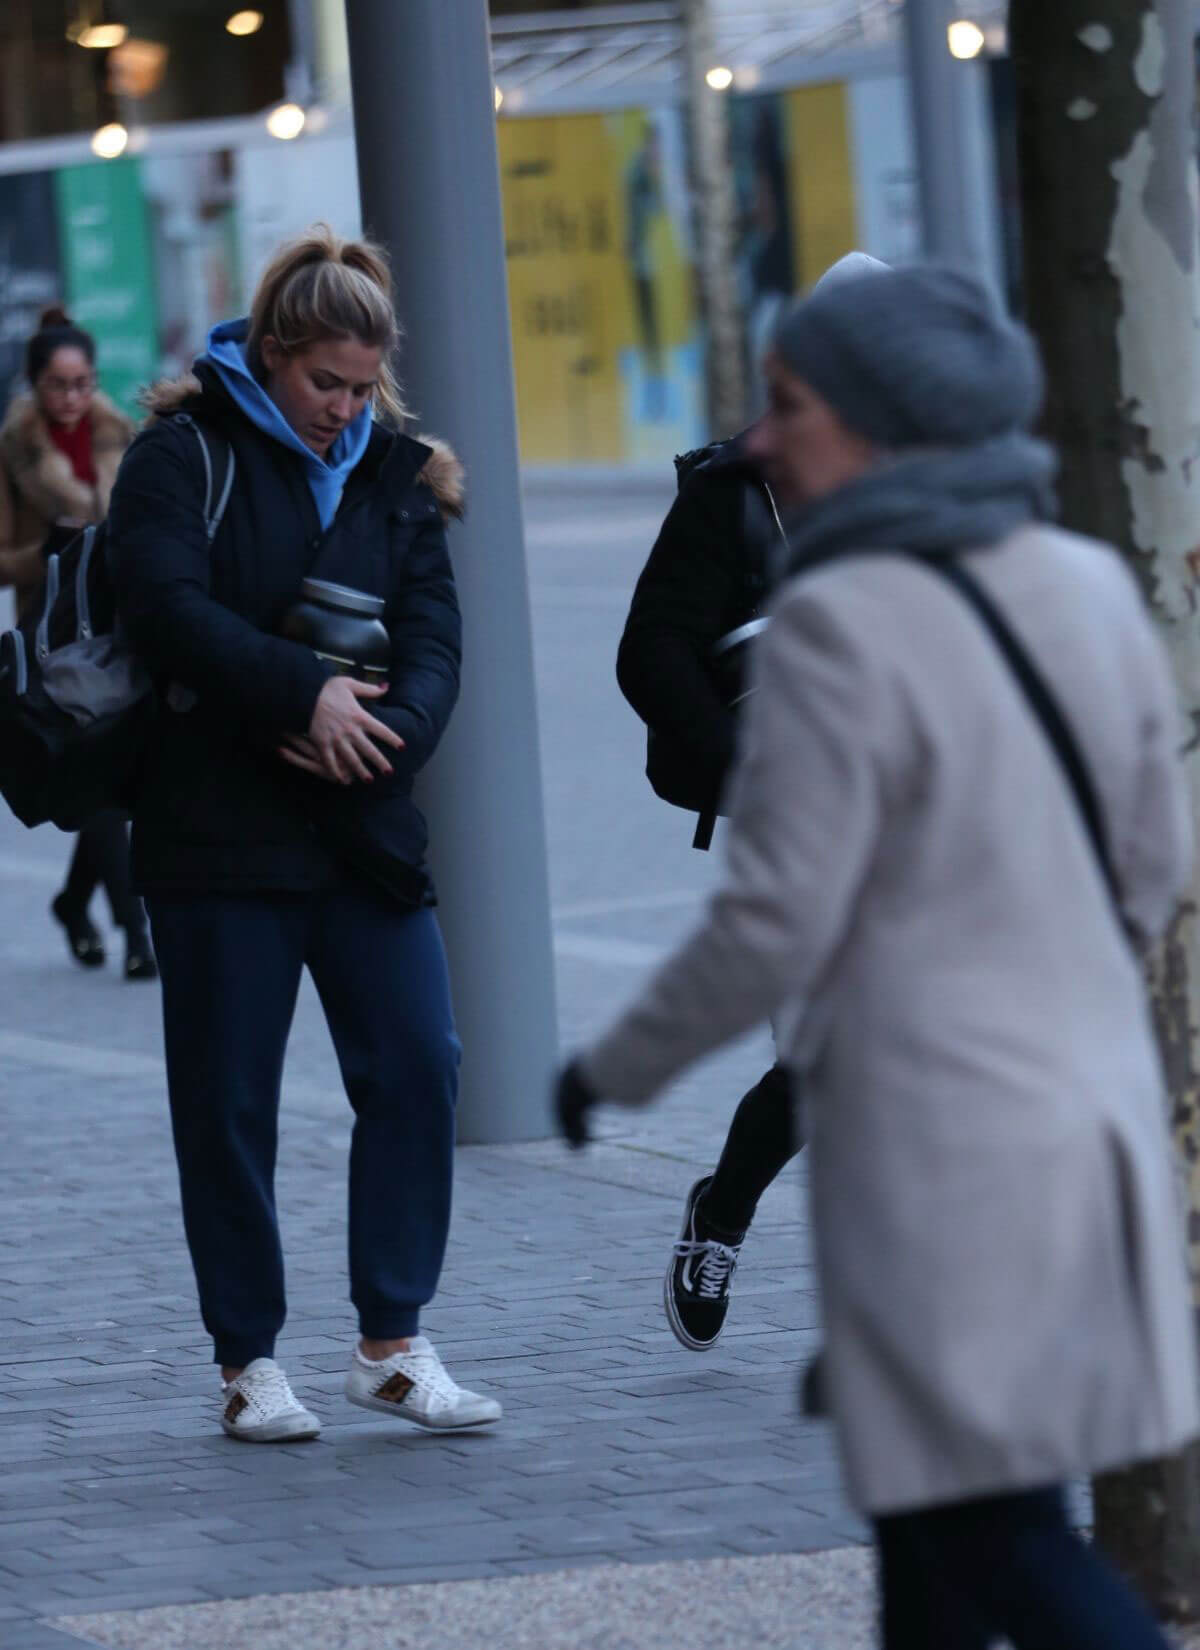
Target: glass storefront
[71, 66]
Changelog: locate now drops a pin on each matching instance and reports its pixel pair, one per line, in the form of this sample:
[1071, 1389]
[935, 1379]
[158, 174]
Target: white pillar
[424, 121]
[954, 149]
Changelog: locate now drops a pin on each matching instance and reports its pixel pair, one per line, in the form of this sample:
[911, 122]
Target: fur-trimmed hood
[442, 472]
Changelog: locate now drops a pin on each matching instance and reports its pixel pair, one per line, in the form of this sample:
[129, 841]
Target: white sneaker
[415, 1386]
[261, 1408]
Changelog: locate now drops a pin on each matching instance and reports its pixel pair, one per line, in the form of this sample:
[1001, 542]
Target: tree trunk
[1105, 101]
[715, 215]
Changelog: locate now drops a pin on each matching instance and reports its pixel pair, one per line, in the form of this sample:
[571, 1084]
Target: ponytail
[321, 286]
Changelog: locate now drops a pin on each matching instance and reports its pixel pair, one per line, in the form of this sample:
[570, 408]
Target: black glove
[573, 1099]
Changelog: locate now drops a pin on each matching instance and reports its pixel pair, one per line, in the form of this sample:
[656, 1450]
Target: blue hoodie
[327, 478]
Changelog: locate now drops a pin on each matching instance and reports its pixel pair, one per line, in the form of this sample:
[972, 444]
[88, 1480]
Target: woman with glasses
[60, 446]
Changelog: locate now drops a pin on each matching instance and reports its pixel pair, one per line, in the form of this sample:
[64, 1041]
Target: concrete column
[424, 121]
[951, 129]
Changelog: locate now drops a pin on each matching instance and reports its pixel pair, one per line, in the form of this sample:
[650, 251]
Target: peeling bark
[1110, 216]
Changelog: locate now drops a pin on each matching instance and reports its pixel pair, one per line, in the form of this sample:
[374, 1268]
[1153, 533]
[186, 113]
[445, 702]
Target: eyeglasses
[69, 386]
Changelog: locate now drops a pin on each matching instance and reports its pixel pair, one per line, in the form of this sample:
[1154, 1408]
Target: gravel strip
[801, 1601]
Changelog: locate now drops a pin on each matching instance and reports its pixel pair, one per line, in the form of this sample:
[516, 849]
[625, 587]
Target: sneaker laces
[427, 1372]
[718, 1261]
[267, 1389]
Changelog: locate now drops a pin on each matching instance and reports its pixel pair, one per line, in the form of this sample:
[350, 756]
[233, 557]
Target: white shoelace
[429, 1375]
[268, 1390]
[718, 1261]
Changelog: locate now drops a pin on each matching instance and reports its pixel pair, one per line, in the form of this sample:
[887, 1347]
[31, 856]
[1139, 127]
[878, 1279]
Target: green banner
[109, 271]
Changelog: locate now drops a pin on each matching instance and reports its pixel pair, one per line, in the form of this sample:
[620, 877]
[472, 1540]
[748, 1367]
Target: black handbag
[76, 706]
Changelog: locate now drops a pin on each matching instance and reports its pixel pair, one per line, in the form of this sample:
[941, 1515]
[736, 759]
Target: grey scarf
[931, 503]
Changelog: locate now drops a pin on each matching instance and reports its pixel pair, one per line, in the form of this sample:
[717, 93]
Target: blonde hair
[321, 286]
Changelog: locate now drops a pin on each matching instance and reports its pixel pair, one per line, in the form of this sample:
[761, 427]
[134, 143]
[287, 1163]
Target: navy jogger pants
[231, 967]
[967, 1575]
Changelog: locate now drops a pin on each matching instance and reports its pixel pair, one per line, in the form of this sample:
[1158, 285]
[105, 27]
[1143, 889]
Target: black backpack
[75, 704]
[669, 765]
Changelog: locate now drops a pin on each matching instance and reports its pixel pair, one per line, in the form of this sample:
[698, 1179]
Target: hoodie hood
[327, 477]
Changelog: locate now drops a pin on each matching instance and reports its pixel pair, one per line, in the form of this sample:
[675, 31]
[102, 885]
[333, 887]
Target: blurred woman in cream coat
[911, 887]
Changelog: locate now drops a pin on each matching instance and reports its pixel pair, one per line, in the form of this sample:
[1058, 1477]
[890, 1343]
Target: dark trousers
[762, 1139]
[231, 967]
[102, 857]
[965, 1576]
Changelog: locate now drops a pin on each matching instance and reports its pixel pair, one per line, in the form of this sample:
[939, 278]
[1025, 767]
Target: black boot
[139, 956]
[83, 937]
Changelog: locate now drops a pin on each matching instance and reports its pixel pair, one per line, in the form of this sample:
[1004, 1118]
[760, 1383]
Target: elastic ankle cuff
[398, 1326]
[238, 1354]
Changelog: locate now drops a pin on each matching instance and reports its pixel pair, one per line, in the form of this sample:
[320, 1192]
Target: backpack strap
[215, 498]
[1045, 708]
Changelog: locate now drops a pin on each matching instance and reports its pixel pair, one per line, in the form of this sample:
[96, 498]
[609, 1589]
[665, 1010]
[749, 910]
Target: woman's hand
[342, 743]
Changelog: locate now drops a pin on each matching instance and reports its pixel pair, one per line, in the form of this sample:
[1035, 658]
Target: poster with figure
[768, 252]
[795, 192]
[29, 269]
[600, 285]
[663, 372]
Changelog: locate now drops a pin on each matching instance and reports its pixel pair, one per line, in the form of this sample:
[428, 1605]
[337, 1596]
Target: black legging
[102, 856]
[964, 1576]
[762, 1139]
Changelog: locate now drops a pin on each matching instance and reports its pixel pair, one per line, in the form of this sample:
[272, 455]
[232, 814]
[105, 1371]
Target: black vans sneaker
[696, 1291]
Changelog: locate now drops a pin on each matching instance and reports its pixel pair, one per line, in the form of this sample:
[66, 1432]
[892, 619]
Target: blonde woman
[275, 829]
[60, 447]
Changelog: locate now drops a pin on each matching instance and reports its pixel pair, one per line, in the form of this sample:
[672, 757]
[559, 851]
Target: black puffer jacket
[706, 574]
[217, 808]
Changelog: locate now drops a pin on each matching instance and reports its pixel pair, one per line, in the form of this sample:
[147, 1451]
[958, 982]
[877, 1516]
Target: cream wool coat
[910, 887]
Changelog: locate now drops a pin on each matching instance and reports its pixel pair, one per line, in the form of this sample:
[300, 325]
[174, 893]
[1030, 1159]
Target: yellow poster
[821, 170]
[607, 363]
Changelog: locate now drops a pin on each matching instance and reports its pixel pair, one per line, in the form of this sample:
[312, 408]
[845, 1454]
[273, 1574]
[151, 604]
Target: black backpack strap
[1045, 707]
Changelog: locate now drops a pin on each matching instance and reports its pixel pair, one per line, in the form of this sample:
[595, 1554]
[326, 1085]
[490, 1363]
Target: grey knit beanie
[849, 268]
[914, 357]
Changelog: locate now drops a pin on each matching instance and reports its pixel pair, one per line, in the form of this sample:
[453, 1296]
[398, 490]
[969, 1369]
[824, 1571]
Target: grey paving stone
[113, 1476]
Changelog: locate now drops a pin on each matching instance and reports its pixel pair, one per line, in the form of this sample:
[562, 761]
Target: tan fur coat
[38, 486]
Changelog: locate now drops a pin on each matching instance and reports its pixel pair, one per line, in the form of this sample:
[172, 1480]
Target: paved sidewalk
[117, 1493]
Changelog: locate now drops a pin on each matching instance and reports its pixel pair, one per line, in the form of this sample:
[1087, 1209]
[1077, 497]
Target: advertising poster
[29, 275]
[110, 288]
[661, 366]
[795, 190]
[604, 332]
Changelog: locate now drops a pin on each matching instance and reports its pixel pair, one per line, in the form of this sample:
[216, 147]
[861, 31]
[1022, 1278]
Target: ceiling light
[99, 37]
[286, 121]
[110, 141]
[966, 39]
[244, 22]
[137, 68]
[720, 78]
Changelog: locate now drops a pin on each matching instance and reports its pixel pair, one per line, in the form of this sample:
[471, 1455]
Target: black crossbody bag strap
[1044, 706]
